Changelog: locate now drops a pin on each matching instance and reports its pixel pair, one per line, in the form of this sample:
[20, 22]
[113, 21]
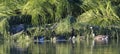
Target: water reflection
[19, 48]
[82, 47]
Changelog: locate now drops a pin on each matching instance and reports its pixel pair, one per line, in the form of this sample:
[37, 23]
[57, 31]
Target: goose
[99, 37]
[72, 37]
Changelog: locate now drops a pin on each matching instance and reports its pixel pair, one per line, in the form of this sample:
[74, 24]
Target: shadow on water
[82, 47]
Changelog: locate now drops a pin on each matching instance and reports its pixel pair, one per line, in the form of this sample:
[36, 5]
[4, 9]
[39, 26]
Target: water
[82, 47]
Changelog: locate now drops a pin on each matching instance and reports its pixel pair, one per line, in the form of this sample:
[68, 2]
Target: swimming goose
[99, 37]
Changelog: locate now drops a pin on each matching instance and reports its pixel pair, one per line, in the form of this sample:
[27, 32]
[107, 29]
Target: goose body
[100, 40]
[73, 39]
[101, 37]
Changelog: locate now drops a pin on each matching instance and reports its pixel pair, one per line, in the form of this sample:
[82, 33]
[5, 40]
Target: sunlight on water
[82, 47]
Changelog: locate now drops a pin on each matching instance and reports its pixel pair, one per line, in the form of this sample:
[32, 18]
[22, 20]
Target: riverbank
[42, 18]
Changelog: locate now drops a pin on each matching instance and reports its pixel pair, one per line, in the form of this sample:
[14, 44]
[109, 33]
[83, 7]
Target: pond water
[82, 47]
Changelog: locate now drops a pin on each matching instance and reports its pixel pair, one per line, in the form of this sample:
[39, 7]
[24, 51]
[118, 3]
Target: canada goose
[99, 37]
[72, 36]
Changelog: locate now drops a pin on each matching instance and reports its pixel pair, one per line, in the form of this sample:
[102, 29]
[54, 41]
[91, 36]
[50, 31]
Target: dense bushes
[38, 13]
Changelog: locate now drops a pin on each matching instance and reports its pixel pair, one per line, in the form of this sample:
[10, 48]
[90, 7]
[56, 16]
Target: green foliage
[100, 13]
[64, 26]
[4, 26]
